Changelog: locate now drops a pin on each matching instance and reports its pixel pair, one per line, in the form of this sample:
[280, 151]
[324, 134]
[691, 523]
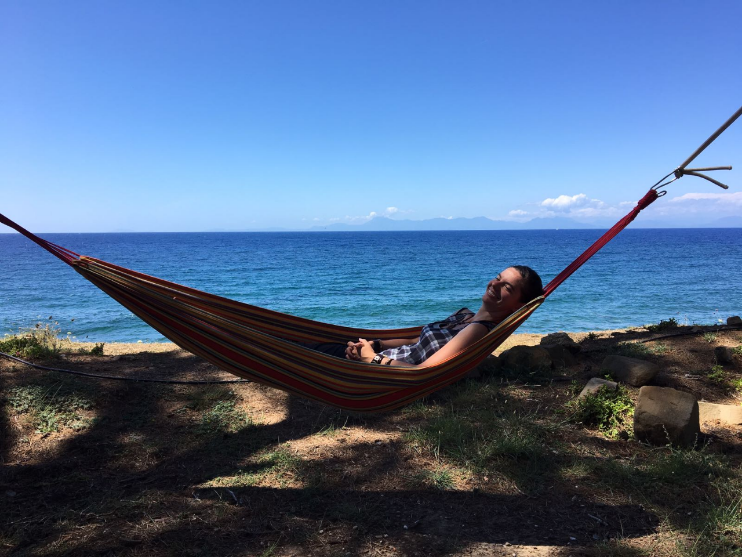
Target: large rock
[595, 384]
[725, 413]
[560, 339]
[734, 320]
[664, 415]
[525, 359]
[630, 370]
[723, 355]
[561, 356]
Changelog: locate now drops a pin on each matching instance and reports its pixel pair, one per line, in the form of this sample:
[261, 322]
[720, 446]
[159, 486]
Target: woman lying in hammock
[506, 293]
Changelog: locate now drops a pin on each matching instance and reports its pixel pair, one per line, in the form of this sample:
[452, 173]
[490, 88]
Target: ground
[497, 465]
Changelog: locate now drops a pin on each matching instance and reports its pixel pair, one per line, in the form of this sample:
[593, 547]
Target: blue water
[383, 279]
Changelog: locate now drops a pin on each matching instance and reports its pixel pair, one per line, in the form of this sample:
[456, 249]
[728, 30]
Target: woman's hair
[531, 286]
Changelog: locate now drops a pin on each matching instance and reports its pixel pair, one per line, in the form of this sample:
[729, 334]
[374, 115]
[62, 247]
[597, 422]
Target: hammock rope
[260, 344]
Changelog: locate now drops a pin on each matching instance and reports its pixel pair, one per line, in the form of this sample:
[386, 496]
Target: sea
[382, 279]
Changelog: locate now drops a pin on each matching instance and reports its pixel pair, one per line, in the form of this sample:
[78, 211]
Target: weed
[438, 479]
[717, 374]
[709, 337]
[50, 408]
[719, 525]
[591, 336]
[686, 467]
[97, 350]
[737, 385]
[34, 343]
[737, 350]
[659, 349]
[224, 417]
[663, 325]
[611, 411]
[630, 349]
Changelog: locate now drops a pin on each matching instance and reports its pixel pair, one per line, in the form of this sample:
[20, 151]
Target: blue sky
[187, 116]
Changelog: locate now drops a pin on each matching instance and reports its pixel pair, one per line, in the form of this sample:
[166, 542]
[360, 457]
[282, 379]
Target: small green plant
[737, 350]
[659, 349]
[709, 337]
[591, 336]
[630, 349]
[663, 325]
[737, 385]
[439, 479]
[51, 408]
[611, 411]
[717, 374]
[224, 417]
[97, 350]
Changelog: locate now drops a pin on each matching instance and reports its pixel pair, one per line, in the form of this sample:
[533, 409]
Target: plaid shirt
[433, 337]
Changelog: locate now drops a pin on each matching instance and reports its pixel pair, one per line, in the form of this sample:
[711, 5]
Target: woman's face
[503, 292]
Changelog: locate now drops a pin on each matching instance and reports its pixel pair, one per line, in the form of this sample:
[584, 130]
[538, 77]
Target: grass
[50, 408]
[224, 417]
[709, 337]
[611, 411]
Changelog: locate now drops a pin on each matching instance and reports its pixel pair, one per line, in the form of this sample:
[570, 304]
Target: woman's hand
[365, 350]
[353, 351]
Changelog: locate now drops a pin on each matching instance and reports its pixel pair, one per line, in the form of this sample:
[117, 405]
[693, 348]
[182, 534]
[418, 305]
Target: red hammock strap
[643, 203]
[66, 255]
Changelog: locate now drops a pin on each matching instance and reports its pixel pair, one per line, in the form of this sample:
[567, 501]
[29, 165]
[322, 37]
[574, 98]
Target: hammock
[259, 344]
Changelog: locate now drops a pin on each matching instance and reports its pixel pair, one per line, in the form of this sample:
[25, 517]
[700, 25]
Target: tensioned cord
[119, 378]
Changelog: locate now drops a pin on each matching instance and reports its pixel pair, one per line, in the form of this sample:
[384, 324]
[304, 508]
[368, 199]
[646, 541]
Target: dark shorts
[332, 348]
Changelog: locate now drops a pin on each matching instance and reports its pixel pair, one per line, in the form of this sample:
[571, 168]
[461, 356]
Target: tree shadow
[133, 482]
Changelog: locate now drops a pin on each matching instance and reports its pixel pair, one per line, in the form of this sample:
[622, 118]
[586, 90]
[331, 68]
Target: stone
[665, 415]
[488, 365]
[561, 356]
[633, 371]
[560, 339]
[525, 358]
[723, 355]
[725, 413]
[595, 384]
[734, 320]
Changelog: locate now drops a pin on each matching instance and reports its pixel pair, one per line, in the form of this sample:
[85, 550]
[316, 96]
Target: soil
[143, 478]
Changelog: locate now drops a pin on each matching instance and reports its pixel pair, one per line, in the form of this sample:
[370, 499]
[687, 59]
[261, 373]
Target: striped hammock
[259, 344]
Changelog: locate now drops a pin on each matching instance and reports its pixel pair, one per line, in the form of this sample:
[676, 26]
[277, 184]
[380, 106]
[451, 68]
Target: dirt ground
[242, 469]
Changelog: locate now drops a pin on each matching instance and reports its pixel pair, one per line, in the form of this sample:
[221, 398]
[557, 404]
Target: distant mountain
[477, 223]
[728, 222]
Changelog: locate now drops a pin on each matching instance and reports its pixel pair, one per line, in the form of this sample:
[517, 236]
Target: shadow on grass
[132, 482]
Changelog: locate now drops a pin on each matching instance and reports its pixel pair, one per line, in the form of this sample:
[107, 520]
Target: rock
[630, 370]
[665, 415]
[525, 358]
[594, 385]
[561, 356]
[560, 339]
[723, 355]
[734, 320]
[488, 365]
[725, 413]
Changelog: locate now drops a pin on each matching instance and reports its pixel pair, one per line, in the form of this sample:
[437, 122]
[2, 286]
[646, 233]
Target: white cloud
[578, 206]
[391, 210]
[725, 199]
[564, 202]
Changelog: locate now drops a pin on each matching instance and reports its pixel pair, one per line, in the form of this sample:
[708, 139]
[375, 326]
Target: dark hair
[531, 286]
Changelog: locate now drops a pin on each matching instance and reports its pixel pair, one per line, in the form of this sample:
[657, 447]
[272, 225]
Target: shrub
[34, 343]
[663, 325]
[611, 411]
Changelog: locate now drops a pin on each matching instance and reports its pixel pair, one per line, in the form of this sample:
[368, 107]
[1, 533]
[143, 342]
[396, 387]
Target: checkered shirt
[433, 337]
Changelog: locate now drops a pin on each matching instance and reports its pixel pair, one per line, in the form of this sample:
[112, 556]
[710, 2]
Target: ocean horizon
[382, 279]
